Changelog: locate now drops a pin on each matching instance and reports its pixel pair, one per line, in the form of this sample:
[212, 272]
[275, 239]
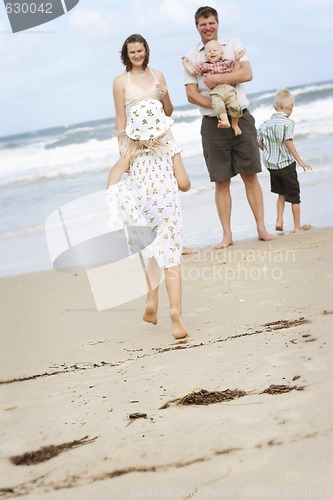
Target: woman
[136, 83]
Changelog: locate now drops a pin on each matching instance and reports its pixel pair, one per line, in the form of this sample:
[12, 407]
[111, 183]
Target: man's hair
[205, 12]
[283, 99]
[124, 52]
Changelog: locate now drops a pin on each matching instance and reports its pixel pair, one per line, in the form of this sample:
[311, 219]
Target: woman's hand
[162, 89]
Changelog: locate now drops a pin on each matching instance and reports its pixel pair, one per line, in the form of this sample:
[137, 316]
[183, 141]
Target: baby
[224, 96]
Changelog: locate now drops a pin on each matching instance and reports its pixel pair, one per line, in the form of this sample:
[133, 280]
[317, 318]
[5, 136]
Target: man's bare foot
[189, 251]
[266, 236]
[237, 130]
[225, 243]
[150, 313]
[302, 229]
[223, 124]
[178, 328]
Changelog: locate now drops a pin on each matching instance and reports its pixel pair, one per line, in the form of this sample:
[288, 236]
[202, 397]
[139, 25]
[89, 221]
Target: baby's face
[213, 51]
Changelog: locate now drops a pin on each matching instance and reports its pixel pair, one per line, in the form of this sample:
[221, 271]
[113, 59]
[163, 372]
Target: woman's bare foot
[178, 328]
[150, 313]
[225, 243]
[266, 236]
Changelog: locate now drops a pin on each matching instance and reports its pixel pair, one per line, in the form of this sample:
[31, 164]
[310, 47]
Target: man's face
[207, 27]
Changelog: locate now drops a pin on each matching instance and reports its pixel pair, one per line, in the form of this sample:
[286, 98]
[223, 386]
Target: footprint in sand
[270, 303]
[198, 311]
[94, 342]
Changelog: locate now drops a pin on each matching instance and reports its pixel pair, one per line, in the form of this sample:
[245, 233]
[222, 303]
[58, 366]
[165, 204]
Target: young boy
[275, 139]
[224, 96]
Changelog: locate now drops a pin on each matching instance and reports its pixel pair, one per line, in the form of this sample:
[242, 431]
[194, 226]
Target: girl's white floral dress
[149, 196]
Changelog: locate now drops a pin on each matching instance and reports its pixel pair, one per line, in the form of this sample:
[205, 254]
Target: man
[225, 153]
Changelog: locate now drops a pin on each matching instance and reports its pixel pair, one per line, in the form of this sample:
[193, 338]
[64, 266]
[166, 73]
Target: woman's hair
[205, 12]
[132, 148]
[283, 99]
[124, 52]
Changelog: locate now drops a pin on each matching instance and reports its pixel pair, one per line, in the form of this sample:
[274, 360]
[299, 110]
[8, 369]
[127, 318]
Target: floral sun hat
[147, 120]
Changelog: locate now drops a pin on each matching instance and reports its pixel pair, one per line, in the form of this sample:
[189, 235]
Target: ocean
[42, 171]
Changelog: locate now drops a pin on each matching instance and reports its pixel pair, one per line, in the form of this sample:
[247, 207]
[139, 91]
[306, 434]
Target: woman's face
[136, 53]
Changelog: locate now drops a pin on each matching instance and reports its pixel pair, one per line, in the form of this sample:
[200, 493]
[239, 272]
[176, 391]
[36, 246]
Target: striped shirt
[273, 133]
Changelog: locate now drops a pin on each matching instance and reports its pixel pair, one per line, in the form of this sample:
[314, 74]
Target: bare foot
[237, 130]
[279, 227]
[223, 124]
[265, 236]
[189, 251]
[302, 229]
[178, 328]
[150, 313]
[225, 243]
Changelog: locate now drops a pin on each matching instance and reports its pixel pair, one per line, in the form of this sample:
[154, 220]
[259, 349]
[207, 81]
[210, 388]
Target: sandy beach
[93, 402]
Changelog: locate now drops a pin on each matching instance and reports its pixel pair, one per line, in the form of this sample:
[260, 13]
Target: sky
[62, 72]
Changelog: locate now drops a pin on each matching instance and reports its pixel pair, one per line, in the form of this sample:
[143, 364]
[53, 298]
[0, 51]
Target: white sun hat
[147, 120]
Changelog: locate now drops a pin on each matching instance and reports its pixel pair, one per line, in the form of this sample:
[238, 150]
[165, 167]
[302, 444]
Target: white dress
[150, 197]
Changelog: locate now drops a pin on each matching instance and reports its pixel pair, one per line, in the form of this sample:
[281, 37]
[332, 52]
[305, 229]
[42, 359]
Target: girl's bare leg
[153, 277]
[173, 285]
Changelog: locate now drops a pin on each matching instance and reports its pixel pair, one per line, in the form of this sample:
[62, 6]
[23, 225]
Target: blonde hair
[283, 99]
[132, 148]
[216, 43]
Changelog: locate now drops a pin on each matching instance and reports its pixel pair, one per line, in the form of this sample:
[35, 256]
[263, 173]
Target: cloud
[319, 3]
[91, 23]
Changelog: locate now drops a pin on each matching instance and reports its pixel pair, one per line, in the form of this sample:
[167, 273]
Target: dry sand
[259, 314]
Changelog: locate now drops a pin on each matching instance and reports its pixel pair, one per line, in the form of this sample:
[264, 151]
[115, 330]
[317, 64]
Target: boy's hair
[124, 52]
[283, 99]
[205, 12]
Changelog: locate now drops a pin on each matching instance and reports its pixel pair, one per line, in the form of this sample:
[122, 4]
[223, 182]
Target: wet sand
[98, 404]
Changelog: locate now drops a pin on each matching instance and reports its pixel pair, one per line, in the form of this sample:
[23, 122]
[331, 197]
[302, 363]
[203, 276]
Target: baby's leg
[219, 108]
[223, 121]
[173, 285]
[235, 112]
[153, 277]
[235, 126]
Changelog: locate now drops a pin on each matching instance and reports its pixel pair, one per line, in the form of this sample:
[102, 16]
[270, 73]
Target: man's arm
[194, 96]
[241, 75]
